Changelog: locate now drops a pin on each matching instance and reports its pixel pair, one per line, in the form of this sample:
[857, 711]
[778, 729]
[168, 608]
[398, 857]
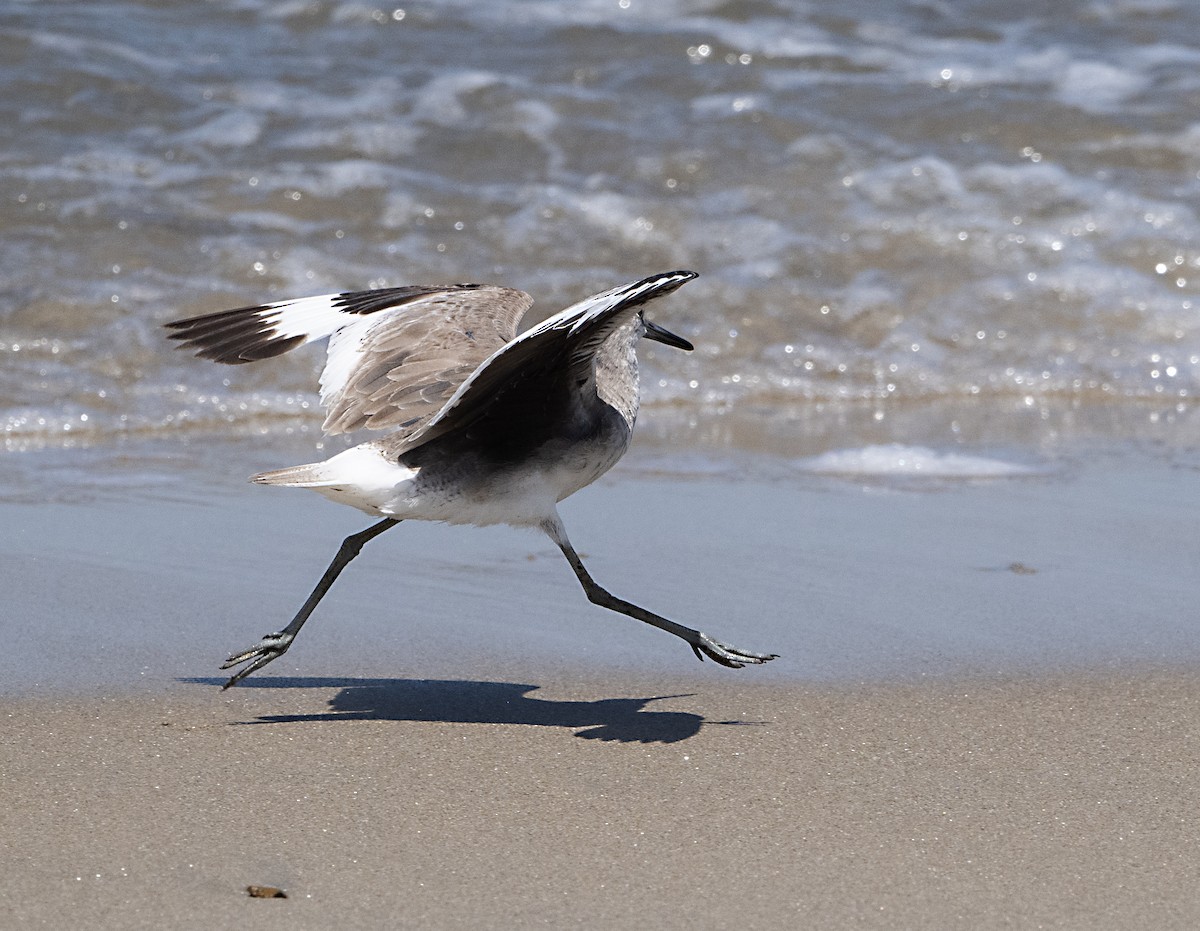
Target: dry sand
[1055, 802]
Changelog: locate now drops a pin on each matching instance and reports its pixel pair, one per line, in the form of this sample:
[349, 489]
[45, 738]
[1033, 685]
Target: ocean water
[950, 227]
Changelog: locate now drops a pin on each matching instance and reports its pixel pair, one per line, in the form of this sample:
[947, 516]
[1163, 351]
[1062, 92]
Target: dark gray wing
[544, 365]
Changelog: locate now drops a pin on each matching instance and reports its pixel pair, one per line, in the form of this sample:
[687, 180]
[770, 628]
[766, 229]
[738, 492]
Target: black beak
[659, 335]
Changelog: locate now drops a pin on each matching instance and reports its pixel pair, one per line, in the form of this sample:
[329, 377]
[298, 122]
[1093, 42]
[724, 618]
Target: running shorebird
[488, 427]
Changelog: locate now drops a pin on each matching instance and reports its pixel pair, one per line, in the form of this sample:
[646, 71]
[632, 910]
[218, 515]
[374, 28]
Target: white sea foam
[895, 460]
[1099, 86]
[231, 128]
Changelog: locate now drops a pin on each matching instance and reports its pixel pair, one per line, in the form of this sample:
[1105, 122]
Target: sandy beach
[985, 712]
[1055, 802]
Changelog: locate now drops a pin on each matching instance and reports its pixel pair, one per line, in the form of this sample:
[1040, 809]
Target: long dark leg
[273, 646]
[702, 644]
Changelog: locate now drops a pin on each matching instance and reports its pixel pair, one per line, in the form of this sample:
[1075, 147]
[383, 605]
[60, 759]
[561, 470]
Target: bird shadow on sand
[467, 702]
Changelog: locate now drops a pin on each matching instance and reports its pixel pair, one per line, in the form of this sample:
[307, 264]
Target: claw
[728, 656]
[271, 647]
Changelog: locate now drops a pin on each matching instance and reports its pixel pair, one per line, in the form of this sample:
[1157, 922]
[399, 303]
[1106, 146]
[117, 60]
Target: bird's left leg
[702, 644]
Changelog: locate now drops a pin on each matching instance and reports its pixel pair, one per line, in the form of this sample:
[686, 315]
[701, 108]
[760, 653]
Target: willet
[488, 427]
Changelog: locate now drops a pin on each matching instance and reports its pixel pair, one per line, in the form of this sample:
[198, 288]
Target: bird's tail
[312, 475]
[362, 471]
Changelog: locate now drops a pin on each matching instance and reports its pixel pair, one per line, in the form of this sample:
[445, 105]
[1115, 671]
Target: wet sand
[984, 715]
[1079, 567]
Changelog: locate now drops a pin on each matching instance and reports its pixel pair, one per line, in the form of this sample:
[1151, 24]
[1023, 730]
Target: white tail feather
[301, 476]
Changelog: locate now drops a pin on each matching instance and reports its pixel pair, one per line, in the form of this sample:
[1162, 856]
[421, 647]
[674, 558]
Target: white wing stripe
[315, 318]
[311, 317]
[341, 359]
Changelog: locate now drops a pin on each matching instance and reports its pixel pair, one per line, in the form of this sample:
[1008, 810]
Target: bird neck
[617, 372]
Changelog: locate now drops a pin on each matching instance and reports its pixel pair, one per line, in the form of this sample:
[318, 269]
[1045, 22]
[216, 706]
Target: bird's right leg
[273, 646]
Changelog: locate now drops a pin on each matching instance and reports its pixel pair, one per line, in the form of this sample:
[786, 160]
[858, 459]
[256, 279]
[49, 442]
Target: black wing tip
[234, 355]
[240, 354]
[269, 349]
[663, 283]
[217, 318]
[681, 276]
[232, 337]
[651, 288]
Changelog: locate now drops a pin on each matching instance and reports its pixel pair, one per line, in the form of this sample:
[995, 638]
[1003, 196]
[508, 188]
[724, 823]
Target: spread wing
[396, 355]
[547, 359]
